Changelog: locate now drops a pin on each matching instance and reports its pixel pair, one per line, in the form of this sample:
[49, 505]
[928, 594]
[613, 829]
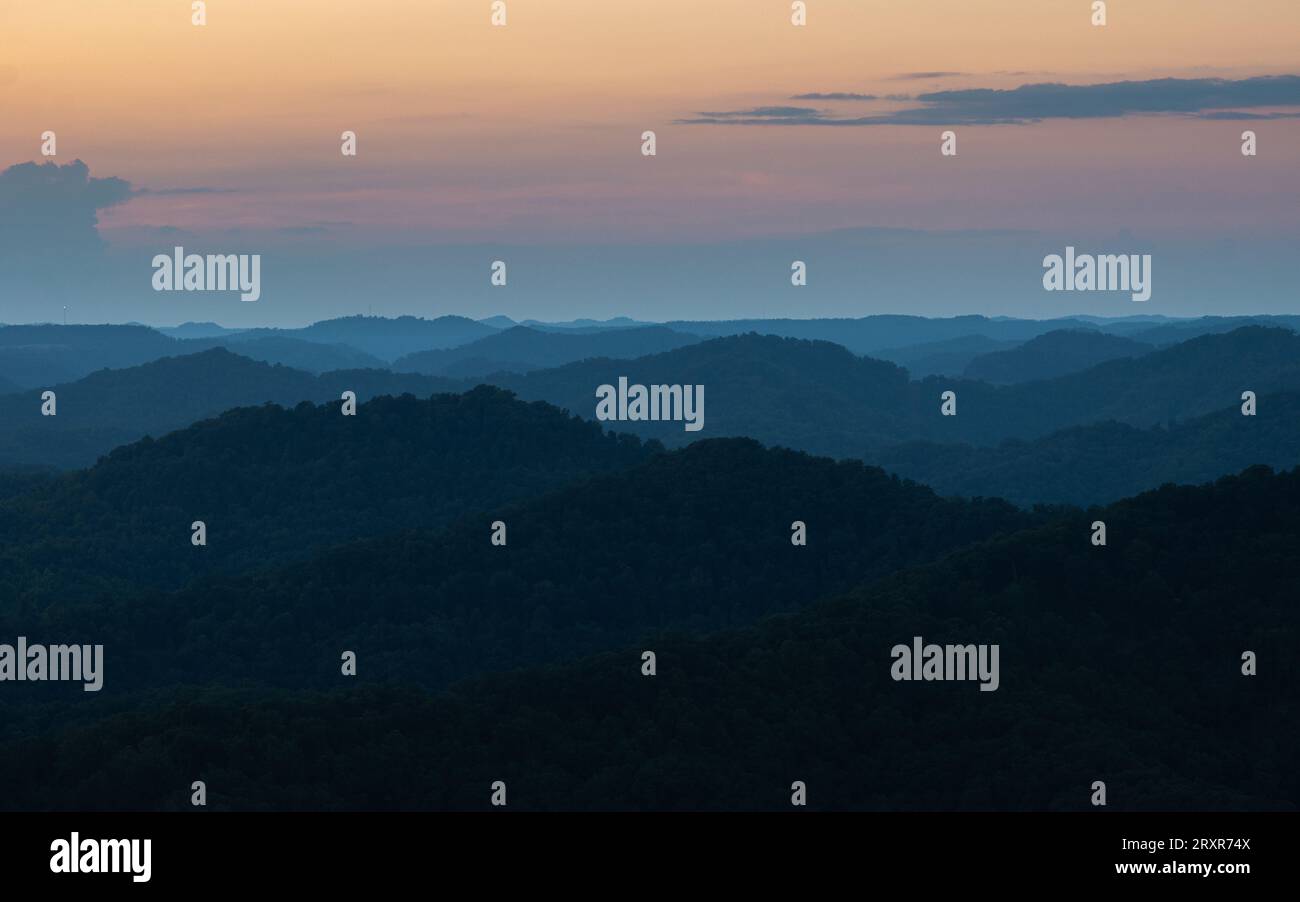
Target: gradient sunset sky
[528, 136]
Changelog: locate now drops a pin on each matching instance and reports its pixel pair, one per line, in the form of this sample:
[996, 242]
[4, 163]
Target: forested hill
[272, 483]
[314, 357]
[819, 397]
[389, 339]
[520, 349]
[1120, 663]
[1103, 462]
[40, 355]
[113, 407]
[811, 395]
[1051, 355]
[698, 539]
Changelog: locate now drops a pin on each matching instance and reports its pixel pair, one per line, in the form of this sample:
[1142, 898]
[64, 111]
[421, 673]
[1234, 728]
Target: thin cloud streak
[1201, 98]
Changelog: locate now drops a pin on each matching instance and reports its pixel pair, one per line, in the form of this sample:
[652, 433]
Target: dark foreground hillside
[698, 540]
[1120, 663]
[272, 484]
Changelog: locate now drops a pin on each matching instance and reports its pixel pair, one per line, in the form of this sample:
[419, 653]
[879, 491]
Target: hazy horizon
[774, 143]
[619, 321]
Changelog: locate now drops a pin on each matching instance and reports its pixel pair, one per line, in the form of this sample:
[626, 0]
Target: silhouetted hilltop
[272, 483]
[389, 339]
[585, 324]
[869, 334]
[699, 539]
[1102, 462]
[112, 407]
[1190, 379]
[949, 356]
[39, 356]
[42, 355]
[197, 330]
[875, 335]
[520, 349]
[1181, 330]
[818, 397]
[815, 396]
[1052, 354]
[314, 357]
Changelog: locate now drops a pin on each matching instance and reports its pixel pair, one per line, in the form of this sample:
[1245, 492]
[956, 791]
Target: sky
[523, 143]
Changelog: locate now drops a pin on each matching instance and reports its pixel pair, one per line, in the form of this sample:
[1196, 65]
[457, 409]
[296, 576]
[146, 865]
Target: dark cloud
[778, 111]
[1165, 95]
[1207, 98]
[917, 76]
[46, 208]
[837, 95]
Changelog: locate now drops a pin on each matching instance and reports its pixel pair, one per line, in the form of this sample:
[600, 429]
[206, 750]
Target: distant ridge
[587, 325]
[45, 354]
[520, 349]
[809, 395]
[818, 397]
[113, 407]
[386, 338]
[1052, 354]
[947, 357]
[197, 330]
[1099, 463]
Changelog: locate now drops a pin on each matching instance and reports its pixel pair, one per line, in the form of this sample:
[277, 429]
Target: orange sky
[534, 127]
